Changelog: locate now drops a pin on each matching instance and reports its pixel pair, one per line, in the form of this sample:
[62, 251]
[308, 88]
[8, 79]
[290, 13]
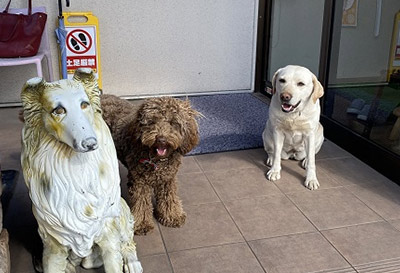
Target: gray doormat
[230, 122]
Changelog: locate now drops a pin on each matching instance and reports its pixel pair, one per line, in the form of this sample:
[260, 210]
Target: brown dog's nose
[161, 141]
[286, 97]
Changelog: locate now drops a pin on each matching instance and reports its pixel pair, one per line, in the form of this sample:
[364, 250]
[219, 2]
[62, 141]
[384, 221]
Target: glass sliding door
[363, 92]
[360, 69]
[295, 30]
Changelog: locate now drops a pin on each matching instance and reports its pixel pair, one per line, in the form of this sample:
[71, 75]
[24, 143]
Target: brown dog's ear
[318, 90]
[191, 137]
[191, 130]
[274, 80]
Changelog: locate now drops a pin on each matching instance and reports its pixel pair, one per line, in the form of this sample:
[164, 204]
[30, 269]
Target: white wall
[151, 47]
[296, 34]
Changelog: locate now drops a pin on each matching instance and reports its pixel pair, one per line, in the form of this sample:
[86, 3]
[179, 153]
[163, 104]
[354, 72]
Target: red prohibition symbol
[79, 41]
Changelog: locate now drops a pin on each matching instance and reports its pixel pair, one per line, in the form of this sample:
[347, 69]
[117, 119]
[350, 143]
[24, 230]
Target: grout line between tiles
[383, 219]
[208, 246]
[244, 238]
[318, 230]
[165, 247]
[334, 158]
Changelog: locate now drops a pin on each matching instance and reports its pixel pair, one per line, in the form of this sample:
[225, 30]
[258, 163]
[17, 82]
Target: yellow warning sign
[82, 43]
[394, 61]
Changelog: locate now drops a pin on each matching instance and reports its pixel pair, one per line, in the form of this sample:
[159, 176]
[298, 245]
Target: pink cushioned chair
[44, 49]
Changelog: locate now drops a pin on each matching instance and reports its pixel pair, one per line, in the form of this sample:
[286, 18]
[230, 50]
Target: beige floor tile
[189, 165]
[267, 216]
[156, 264]
[195, 189]
[236, 258]
[225, 161]
[308, 252]
[395, 223]
[384, 198]
[350, 171]
[363, 244]
[259, 156]
[385, 266]
[241, 183]
[331, 150]
[332, 208]
[206, 225]
[150, 244]
[293, 177]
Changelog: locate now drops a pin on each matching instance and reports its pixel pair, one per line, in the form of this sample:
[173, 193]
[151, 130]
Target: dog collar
[150, 162]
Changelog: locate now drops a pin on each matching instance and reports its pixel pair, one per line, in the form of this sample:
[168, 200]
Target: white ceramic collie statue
[71, 169]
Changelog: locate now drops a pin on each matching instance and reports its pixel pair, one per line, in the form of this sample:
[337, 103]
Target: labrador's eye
[59, 110]
[300, 84]
[282, 80]
[84, 105]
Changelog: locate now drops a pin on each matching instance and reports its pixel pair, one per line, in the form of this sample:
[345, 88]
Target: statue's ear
[87, 78]
[84, 75]
[32, 90]
[31, 95]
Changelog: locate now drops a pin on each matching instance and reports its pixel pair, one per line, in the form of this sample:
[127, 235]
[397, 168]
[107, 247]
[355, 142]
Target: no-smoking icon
[79, 41]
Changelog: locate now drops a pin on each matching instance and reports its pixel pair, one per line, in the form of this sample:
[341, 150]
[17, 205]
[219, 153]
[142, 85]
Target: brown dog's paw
[173, 220]
[143, 228]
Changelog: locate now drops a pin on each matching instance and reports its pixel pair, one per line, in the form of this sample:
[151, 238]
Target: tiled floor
[240, 222]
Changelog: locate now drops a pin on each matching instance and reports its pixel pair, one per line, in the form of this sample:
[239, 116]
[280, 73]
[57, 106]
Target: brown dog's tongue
[161, 151]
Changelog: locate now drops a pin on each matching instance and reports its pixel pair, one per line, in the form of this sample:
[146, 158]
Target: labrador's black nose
[286, 97]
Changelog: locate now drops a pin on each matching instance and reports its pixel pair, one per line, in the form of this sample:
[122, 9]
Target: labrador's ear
[274, 80]
[318, 90]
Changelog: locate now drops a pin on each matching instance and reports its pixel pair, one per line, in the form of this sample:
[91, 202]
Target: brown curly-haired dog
[150, 140]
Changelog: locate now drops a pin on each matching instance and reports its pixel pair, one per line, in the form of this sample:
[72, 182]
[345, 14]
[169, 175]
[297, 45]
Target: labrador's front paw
[311, 184]
[273, 175]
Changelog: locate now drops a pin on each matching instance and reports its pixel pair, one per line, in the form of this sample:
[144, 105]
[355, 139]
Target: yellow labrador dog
[293, 129]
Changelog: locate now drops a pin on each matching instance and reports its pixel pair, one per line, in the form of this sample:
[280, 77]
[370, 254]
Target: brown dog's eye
[59, 110]
[175, 124]
[282, 80]
[300, 84]
[84, 105]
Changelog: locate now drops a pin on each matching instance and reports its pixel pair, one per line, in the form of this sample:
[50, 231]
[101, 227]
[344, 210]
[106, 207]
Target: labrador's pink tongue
[287, 107]
[161, 152]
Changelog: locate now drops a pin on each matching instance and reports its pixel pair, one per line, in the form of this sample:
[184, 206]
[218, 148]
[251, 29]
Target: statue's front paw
[273, 175]
[133, 267]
